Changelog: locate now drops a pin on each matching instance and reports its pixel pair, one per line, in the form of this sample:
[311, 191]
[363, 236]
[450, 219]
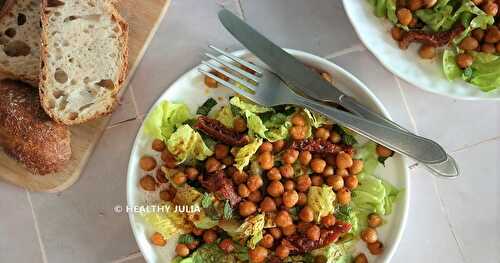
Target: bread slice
[20, 41]
[28, 134]
[84, 58]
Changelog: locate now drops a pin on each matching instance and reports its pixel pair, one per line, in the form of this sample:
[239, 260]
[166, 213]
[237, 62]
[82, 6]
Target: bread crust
[44, 56]
[27, 133]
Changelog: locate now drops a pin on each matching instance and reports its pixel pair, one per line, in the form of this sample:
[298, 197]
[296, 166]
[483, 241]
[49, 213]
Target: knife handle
[416, 147]
[447, 169]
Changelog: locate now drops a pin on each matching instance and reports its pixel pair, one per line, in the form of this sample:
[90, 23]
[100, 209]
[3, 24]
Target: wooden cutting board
[143, 17]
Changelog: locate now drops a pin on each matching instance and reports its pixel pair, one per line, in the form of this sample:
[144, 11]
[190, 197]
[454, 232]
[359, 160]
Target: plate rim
[405, 198]
[350, 16]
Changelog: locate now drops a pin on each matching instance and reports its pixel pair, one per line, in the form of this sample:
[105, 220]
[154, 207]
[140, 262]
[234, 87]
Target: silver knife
[301, 78]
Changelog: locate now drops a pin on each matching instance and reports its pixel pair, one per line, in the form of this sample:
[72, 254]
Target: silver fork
[267, 89]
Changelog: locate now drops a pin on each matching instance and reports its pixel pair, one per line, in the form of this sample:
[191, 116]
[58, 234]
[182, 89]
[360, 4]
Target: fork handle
[419, 148]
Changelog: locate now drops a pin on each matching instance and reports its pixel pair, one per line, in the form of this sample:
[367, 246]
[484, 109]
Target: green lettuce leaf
[225, 116]
[339, 252]
[251, 231]
[321, 201]
[450, 68]
[316, 120]
[245, 153]
[385, 8]
[187, 145]
[255, 125]
[246, 105]
[485, 71]
[165, 221]
[165, 118]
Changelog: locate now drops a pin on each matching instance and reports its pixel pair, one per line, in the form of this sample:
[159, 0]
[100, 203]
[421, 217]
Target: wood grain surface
[143, 18]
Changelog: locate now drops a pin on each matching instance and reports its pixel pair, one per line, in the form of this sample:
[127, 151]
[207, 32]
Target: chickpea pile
[277, 190]
[487, 41]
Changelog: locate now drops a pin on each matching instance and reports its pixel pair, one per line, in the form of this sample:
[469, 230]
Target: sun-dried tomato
[317, 146]
[435, 39]
[299, 244]
[217, 131]
[221, 186]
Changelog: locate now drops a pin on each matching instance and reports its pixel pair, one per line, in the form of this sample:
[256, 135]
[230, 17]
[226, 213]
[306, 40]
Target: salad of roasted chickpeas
[262, 184]
[464, 33]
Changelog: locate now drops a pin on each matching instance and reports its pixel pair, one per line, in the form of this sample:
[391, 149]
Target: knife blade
[299, 76]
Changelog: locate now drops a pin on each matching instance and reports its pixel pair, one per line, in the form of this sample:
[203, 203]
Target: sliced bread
[20, 41]
[84, 58]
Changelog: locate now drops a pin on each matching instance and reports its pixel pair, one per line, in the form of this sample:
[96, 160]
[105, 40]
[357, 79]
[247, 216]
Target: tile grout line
[466, 147]
[128, 258]
[37, 229]
[405, 102]
[355, 48]
[134, 102]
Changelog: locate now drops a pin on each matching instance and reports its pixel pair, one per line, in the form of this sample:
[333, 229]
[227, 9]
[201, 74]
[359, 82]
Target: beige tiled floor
[449, 221]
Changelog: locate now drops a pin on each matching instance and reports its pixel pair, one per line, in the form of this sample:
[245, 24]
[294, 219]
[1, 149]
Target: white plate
[190, 89]
[428, 75]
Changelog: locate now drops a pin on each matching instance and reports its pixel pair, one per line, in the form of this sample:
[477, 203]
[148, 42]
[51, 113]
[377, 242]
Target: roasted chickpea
[278, 145]
[361, 258]
[221, 151]
[158, 240]
[414, 5]
[313, 232]
[191, 173]
[266, 160]
[298, 132]
[289, 230]
[282, 251]
[160, 176]
[465, 60]
[320, 259]
[303, 226]
[329, 171]
[427, 52]
[180, 178]
[275, 232]
[158, 145]
[298, 120]
[492, 35]
[351, 181]
[343, 160]
[275, 189]
[290, 156]
[344, 196]
[247, 208]
[404, 16]
[376, 248]
[382, 151]
[397, 34]
[148, 183]
[290, 198]
[478, 34]
[302, 199]
[488, 48]
[258, 254]
[197, 231]
[209, 236]
[306, 214]
[274, 174]
[166, 196]
[335, 137]
[239, 125]
[357, 166]
[212, 165]
[283, 219]
[318, 165]
[289, 185]
[342, 172]
[322, 134]
[316, 180]
[147, 163]
[335, 181]
[227, 245]
[266, 147]
[239, 177]
[374, 220]
[287, 171]
[168, 159]
[268, 205]
[181, 250]
[243, 191]
[267, 241]
[328, 220]
[302, 183]
[469, 43]
[255, 196]
[305, 157]
[490, 8]
[254, 182]
[369, 235]
[210, 82]
[228, 160]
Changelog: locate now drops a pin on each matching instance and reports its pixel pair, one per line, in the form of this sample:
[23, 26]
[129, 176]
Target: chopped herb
[235, 110]
[228, 211]
[206, 200]
[190, 122]
[285, 109]
[186, 239]
[206, 107]
[209, 142]
[468, 72]
[266, 116]
[343, 212]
